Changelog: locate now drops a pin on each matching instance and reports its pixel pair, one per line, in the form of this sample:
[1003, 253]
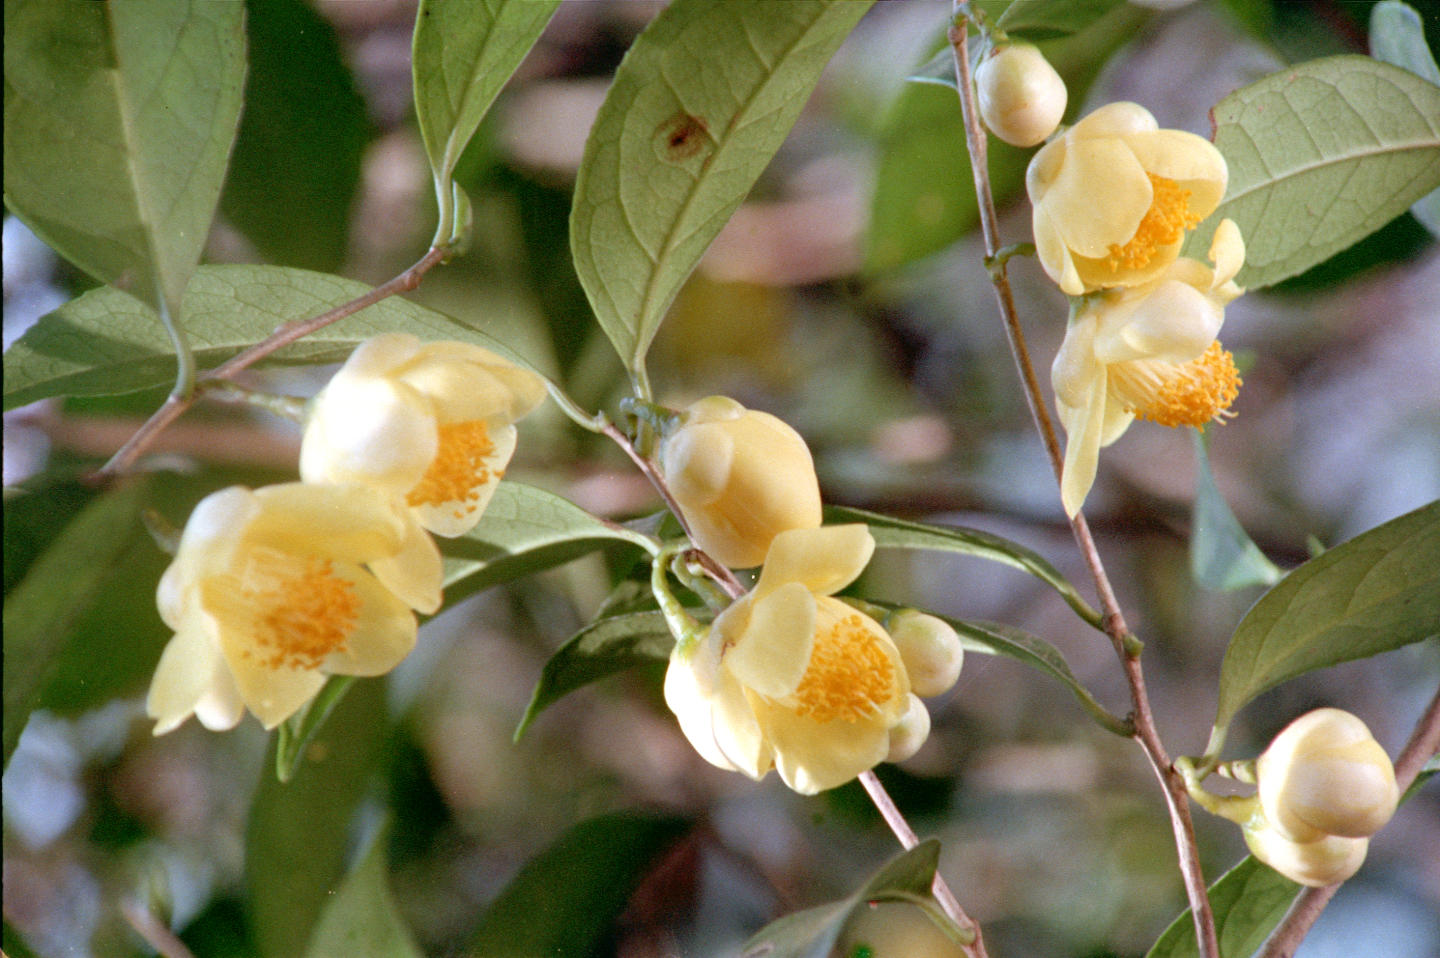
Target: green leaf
[1398, 37]
[1047, 19]
[893, 533]
[1377, 592]
[1321, 155]
[295, 734]
[298, 831]
[565, 900]
[995, 638]
[106, 342]
[602, 648]
[302, 136]
[525, 530]
[57, 588]
[1222, 556]
[815, 932]
[1248, 901]
[118, 124]
[461, 56]
[700, 104]
[362, 918]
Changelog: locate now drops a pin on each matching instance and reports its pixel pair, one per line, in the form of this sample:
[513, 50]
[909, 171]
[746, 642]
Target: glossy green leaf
[118, 124]
[1377, 592]
[105, 342]
[57, 588]
[1321, 155]
[996, 638]
[362, 918]
[1046, 19]
[602, 648]
[461, 56]
[700, 104]
[525, 530]
[1398, 37]
[893, 533]
[565, 900]
[1248, 901]
[302, 137]
[298, 832]
[1222, 556]
[815, 932]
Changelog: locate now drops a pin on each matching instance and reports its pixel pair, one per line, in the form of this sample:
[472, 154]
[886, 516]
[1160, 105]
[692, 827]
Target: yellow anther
[1179, 394]
[303, 610]
[849, 675]
[1164, 223]
[458, 471]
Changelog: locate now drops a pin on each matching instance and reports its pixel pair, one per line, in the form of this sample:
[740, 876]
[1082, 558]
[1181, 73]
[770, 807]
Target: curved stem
[184, 356]
[1423, 745]
[1127, 648]
[906, 836]
[175, 405]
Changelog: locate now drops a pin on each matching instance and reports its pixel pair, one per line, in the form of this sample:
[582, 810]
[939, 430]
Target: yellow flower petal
[771, 654]
[824, 560]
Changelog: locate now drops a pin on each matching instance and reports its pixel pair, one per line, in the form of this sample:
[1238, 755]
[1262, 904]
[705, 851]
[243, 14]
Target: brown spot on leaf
[682, 137]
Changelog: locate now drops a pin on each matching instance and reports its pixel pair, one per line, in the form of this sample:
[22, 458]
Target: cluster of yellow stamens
[1179, 394]
[458, 470]
[303, 610]
[848, 677]
[1164, 223]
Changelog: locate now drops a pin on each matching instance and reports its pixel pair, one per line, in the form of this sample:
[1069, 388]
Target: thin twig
[1126, 647]
[906, 836]
[175, 406]
[1424, 743]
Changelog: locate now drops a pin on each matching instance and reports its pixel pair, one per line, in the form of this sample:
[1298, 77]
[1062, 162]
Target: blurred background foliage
[847, 296]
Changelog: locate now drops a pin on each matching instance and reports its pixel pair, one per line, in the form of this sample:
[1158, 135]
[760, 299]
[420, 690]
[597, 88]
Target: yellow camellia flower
[788, 677]
[431, 423]
[740, 477]
[1326, 775]
[1113, 196]
[1147, 351]
[272, 590]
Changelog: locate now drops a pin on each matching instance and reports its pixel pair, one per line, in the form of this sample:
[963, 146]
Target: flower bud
[740, 477]
[1325, 775]
[1021, 96]
[930, 648]
[1329, 860]
[908, 734]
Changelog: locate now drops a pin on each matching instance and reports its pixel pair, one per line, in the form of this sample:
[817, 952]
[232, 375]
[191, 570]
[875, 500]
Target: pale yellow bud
[740, 477]
[1326, 775]
[931, 650]
[1021, 96]
[1329, 860]
[908, 734]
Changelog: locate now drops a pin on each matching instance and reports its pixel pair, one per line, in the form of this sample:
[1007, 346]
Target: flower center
[1178, 394]
[1164, 223]
[849, 675]
[302, 610]
[458, 472]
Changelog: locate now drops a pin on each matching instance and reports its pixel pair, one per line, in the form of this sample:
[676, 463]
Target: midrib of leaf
[1322, 164]
[670, 244]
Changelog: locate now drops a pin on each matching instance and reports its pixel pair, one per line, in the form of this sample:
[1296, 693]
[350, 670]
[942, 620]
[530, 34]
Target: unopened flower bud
[1331, 859]
[1021, 96]
[930, 648]
[908, 734]
[1326, 775]
[740, 477]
